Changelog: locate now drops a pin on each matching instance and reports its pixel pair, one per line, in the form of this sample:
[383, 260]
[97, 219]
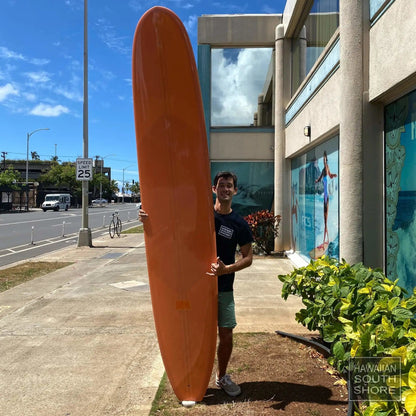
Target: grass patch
[157, 404]
[24, 272]
[133, 230]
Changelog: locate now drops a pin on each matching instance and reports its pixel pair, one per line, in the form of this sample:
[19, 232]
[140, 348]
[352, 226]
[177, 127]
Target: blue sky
[41, 74]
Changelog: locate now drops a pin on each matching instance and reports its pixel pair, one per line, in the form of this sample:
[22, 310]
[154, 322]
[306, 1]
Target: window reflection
[242, 89]
[312, 38]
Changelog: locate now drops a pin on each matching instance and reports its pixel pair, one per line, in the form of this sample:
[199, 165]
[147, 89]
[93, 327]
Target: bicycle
[115, 225]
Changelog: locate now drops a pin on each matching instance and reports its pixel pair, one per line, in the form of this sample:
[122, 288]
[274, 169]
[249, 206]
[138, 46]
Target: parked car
[99, 202]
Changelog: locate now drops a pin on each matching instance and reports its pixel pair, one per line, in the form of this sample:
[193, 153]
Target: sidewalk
[81, 341]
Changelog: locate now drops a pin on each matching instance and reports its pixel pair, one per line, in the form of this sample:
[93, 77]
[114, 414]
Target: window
[255, 184]
[242, 87]
[307, 46]
[400, 183]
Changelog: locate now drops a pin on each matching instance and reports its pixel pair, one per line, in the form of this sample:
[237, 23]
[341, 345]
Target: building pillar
[351, 122]
[279, 139]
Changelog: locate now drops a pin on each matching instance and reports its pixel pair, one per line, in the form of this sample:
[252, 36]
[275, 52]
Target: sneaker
[228, 385]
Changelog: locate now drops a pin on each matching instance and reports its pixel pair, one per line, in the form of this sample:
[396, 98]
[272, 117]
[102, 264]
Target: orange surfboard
[176, 193]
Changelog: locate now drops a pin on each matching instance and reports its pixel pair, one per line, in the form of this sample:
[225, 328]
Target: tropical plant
[9, 177]
[62, 176]
[359, 312]
[265, 228]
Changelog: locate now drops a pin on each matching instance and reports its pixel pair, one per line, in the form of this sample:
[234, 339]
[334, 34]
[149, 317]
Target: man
[231, 230]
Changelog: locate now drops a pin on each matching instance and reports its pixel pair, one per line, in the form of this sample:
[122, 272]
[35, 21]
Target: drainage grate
[111, 255]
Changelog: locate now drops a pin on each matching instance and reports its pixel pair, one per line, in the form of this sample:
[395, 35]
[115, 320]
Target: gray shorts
[226, 310]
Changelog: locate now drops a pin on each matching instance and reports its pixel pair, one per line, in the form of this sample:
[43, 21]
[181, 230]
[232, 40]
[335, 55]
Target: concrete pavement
[81, 341]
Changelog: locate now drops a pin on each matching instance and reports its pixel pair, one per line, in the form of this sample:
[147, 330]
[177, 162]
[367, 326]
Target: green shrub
[360, 313]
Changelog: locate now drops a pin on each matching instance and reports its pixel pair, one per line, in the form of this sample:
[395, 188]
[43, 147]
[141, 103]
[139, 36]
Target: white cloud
[135, 5]
[6, 91]
[39, 77]
[75, 4]
[107, 33]
[140, 5]
[8, 54]
[29, 96]
[74, 90]
[238, 77]
[73, 95]
[191, 23]
[46, 110]
[38, 61]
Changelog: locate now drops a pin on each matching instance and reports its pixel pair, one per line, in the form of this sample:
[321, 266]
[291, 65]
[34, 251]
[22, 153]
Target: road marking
[67, 239]
[67, 216]
[42, 243]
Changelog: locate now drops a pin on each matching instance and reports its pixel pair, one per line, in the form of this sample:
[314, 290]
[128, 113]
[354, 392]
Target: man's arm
[219, 268]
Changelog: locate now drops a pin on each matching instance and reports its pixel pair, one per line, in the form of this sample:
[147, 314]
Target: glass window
[314, 201]
[314, 34]
[400, 183]
[242, 87]
[255, 184]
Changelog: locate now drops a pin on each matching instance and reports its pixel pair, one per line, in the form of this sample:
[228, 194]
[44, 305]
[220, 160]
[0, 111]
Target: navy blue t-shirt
[231, 230]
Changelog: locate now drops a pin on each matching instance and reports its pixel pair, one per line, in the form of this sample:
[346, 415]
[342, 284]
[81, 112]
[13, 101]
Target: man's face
[225, 189]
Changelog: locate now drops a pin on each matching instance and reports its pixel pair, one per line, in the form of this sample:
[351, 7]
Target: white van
[56, 202]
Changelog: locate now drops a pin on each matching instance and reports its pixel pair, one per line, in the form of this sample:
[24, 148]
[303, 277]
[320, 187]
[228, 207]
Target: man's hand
[218, 268]
[143, 215]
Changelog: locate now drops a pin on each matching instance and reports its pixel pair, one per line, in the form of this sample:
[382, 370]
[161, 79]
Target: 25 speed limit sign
[84, 169]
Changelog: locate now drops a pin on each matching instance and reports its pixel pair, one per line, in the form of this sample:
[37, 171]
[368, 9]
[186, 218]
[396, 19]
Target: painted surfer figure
[325, 174]
[231, 230]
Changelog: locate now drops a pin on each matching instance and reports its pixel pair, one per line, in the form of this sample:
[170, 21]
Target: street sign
[84, 169]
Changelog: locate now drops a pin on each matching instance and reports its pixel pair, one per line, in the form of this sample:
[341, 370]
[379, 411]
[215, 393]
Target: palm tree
[35, 155]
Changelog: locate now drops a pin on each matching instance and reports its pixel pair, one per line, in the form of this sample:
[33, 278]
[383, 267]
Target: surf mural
[400, 190]
[315, 202]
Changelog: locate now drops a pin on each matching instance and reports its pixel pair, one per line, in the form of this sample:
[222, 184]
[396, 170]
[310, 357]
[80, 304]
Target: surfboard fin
[188, 403]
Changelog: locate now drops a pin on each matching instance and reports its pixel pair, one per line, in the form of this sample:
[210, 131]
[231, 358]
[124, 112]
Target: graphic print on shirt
[226, 232]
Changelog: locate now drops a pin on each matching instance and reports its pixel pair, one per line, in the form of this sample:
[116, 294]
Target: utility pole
[3, 155]
[84, 236]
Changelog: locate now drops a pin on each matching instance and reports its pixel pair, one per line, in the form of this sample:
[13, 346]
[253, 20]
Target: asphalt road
[24, 235]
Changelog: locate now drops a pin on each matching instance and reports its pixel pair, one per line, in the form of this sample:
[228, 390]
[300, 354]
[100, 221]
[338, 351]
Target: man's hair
[225, 175]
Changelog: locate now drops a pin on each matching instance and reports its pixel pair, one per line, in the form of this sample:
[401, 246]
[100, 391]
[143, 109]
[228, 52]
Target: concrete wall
[392, 57]
[321, 113]
[241, 146]
[237, 30]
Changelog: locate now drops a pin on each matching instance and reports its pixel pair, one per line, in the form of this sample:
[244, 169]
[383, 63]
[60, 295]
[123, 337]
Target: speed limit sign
[84, 169]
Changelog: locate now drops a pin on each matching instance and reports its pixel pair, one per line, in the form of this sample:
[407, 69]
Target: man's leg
[225, 348]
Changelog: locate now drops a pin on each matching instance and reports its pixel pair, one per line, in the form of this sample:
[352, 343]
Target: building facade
[315, 110]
